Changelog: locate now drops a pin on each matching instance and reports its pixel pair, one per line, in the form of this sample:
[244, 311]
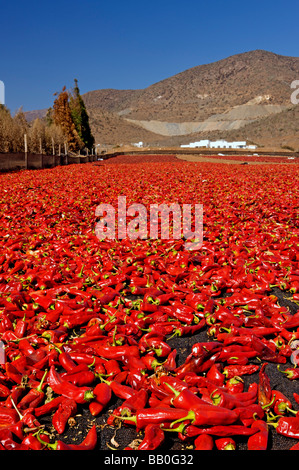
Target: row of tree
[66, 123]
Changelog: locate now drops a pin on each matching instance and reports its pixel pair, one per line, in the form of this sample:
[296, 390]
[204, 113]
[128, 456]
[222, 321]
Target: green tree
[80, 117]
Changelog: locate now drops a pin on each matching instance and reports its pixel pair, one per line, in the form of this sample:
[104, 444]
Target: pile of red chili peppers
[84, 322]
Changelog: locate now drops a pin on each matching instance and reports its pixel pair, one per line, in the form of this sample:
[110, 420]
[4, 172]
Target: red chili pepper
[235, 385]
[66, 408]
[291, 373]
[189, 430]
[48, 407]
[185, 398]
[280, 403]
[89, 443]
[34, 397]
[225, 443]
[8, 416]
[159, 415]
[67, 389]
[153, 437]
[33, 443]
[248, 414]
[116, 352]
[259, 440]
[215, 374]
[288, 426]
[264, 388]
[80, 377]
[239, 370]
[103, 394]
[204, 442]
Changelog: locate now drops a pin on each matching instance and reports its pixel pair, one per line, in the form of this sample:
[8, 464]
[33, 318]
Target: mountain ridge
[217, 98]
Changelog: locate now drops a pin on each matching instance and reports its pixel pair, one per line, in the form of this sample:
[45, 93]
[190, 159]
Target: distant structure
[138, 144]
[219, 144]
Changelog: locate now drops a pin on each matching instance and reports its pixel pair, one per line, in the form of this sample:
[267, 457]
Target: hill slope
[245, 95]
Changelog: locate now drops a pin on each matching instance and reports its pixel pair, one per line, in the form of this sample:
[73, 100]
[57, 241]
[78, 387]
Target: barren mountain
[246, 95]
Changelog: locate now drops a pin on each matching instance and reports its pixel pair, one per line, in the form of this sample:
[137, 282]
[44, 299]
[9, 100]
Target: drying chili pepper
[235, 385]
[239, 370]
[185, 398]
[33, 443]
[88, 443]
[66, 408]
[67, 389]
[8, 416]
[264, 388]
[259, 440]
[280, 403]
[153, 437]
[291, 373]
[159, 415]
[34, 397]
[189, 430]
[204, 442]
[49, 406]
[103, 394]
[248, 414]
[215, 374]
[225, 443]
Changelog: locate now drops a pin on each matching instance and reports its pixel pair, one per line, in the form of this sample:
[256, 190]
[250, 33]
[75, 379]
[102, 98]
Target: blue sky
[128, 44]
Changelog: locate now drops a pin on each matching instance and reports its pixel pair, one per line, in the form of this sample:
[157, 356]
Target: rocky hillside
[245, 96]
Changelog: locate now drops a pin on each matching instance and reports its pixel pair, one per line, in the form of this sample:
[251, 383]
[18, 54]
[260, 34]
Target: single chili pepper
[264, 388]
[8, 416]
[21, 328]
[225, 443]
[67, 389]
[159, 415]
[230, 401]
[235, 385]
[189, 430]
[80, 377]
[215, 374]
[204, 442]
[103, 395]
[153, 437]
[259, 440]
[239, 370]
[280, 403]
[34, 397]
[116, 352]
[291, 373]
[120, 390]
[184, 398]
[89, 443]
[296, 397]
[12, 373]
[49, 406]
[66, 361]
[287, 426]
[65, 410]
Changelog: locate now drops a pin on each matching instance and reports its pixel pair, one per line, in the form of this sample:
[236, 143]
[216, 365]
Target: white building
[220, 144]
[138, 144]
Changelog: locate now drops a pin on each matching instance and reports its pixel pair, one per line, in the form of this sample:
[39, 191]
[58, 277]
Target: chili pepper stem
[267, 405]
[17, 410]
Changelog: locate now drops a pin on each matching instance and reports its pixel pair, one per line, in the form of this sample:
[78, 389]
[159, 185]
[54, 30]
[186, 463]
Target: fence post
[26, 151]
